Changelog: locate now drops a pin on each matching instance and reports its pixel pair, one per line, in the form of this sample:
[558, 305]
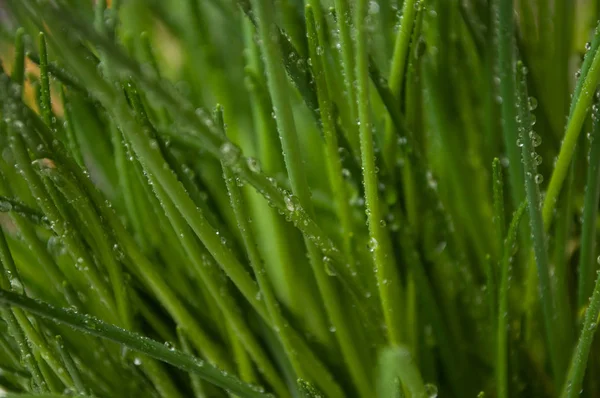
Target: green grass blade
[527, 139]
[387, 279]
[70, 366]
[18, 72]
[134, 341]
[300, 188]
[582, 101]
[502, 379]
[587, 260]
[332, 156]
[45, 100]
[398, 67]
[498, 188]
[506, 68]
[398, 363]
[345, 24]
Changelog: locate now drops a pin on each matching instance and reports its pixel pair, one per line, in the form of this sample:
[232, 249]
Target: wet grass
[299, 198]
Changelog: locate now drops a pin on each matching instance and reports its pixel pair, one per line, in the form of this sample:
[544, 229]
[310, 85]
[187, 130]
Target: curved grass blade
[133, 341]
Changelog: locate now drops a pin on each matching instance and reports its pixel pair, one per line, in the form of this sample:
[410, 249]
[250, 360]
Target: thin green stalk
[506, 68]
[93, 326]
[498, 188]
[16, 207]
[18, 72]
[144, 267]
[582, 99]
[587, 260]
[492, 275]
[344, 25]
[58, 73]
[332, 157]
[202, 264]
[503, 315]
[37, 341]
[196, 381]
[208, 140]
[74, 148]
[574, 378]
[48, 205]
[158, 375]
[101, 241]
[290, 144]
[379, 244]
[540, 249]
[8, 281]
[302, 359]
[279, 240]
[70, 366]
[243, 361]
[151, 275]
[45, 100]
[401, 47]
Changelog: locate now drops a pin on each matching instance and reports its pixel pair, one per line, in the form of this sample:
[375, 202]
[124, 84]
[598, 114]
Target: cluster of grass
[299, 198]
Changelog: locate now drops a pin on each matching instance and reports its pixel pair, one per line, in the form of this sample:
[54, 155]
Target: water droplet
[137, 361]
[329, 269]
[533, 103]
[588, 46]
[169, 345]
[539, 179]
[290, 203]
[55, 246]
[332, 329]
[431, 391]
[536, 140]
[373, 244]
[5, 206]
[373, 7]
[519, 142]
[230, 153]
[253, 164]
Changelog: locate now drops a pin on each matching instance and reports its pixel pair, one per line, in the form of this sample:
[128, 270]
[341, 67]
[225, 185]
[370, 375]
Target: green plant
[299, 198]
